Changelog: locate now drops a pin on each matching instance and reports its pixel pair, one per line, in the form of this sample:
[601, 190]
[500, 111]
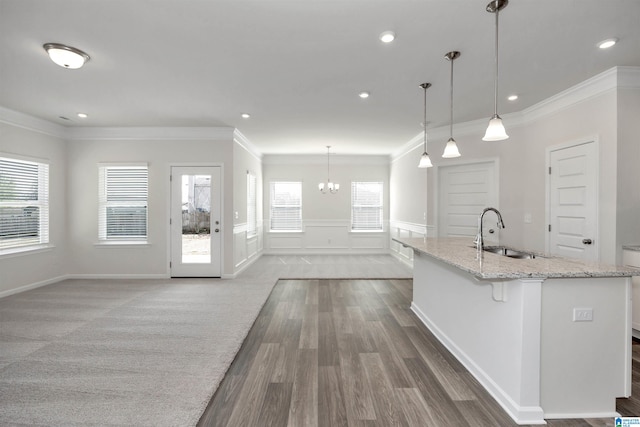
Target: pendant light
[425, 161]
[329, 186]
[451, 149]
[495, 130]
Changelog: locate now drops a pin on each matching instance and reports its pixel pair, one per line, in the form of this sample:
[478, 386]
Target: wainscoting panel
[245, 249]
[399, 229]
[327, 237]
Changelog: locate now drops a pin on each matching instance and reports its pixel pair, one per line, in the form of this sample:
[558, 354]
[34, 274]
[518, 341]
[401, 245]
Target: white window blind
[123, 193]
[24, 204]
[252, 224]
[286, 206]
[366, 205]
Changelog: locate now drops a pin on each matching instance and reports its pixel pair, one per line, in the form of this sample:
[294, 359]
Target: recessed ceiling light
[387, 36]
[363, 94]
[83, 115]
[606, 44]
[245, 115]
[66, 56]
[512, 97]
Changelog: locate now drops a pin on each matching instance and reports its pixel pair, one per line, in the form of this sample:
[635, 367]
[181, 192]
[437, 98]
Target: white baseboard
[520, 414]
[118, 276]
[30, 286]
[244, 265]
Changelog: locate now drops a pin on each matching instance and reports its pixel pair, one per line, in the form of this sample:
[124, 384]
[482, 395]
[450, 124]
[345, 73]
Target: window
[24, 204]
[286, 206]
[122, 210]
[252, 223]
[366, 206]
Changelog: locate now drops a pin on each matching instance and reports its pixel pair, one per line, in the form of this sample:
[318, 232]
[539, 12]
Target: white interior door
[464, 191]
[573, 204]
[195, 221]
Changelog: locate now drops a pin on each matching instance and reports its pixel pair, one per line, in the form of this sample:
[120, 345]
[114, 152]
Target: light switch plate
[583, 314]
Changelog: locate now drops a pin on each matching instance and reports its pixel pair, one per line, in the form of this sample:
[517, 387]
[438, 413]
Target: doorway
[573, 201]
[195, 221]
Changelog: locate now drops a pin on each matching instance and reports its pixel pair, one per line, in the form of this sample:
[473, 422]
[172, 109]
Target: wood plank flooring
[351, 353]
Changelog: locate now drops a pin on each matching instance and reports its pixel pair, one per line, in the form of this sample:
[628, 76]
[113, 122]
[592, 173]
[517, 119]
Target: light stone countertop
[461, 253]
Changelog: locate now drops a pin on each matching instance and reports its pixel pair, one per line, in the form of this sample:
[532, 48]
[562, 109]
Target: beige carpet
[146, 352]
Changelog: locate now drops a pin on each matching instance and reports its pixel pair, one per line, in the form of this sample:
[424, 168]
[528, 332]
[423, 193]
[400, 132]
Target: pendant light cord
[425, 119]
[451, 112]
[495, 82]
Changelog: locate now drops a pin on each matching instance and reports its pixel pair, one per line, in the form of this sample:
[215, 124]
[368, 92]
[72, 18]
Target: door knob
[587, 241]
[217, 230]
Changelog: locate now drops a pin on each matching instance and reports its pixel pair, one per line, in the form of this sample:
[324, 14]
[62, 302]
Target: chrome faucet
[479, 238]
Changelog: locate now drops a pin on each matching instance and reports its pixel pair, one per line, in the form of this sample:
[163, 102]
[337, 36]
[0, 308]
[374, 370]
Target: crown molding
[321, 159]
[611, 79]
[149, 133]
[25, 121]
[243, 142]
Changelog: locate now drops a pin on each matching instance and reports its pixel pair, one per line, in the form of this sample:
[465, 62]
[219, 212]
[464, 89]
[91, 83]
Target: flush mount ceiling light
[364, 94]
[387, 36]
[495, 130]
[512, 97]
[425, 161]
[66, 56]
[606, 44]
[328, 187]
[451, 149]
[83, 115]
[245, 115]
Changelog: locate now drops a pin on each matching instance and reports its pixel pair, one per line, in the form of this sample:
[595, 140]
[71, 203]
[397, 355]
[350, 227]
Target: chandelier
[328, 187]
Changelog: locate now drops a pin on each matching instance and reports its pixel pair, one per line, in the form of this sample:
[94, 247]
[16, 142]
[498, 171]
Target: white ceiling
[297, 66]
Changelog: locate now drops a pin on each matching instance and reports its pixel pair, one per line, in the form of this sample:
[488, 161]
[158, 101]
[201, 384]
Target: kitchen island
[548, 337]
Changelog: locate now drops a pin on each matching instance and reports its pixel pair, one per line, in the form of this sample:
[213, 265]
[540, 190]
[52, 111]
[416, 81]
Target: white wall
[245, 248]
[85, 152]
[326, 217]
[32, 269]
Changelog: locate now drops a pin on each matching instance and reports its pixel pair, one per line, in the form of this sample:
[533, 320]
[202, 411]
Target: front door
[195, 221]
[573, 205]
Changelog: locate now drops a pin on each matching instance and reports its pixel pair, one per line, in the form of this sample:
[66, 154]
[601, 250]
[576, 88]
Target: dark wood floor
[351, 353]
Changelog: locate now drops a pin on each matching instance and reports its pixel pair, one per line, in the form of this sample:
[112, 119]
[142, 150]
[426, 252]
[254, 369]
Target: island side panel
[585, 364]
[497, 341]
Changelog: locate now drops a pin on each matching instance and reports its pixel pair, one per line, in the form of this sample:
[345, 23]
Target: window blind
[286, 206]
[24, 203]
[366, 205]
[252, 224]
[122, 202]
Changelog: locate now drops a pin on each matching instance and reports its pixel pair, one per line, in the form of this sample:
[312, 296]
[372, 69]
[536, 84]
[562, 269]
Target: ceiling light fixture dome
[425, 160]
[606, 44]
[387, 36]
[66, 56]
[364, 94]
[451, 149]
[496, 130]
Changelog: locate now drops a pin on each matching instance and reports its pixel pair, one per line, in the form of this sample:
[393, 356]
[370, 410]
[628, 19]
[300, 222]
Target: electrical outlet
[583, 314]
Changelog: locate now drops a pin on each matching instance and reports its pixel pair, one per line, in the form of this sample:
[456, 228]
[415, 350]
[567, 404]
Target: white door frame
[462, 162]
[547, 197]
[168, 210]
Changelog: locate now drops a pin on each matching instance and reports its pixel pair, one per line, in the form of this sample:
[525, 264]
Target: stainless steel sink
[511, 253]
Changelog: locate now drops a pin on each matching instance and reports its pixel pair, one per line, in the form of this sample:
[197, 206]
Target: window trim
[271, 208]
[252, 205]
[102, 204]
[380, 207]
[43, 202]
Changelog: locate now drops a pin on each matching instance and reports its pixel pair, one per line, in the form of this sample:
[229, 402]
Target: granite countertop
[461, 253]
[631, 248]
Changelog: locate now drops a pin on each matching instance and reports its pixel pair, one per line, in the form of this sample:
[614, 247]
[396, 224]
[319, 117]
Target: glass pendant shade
[66, 56]
[425, 161]
[451, 149]
[495, 130]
